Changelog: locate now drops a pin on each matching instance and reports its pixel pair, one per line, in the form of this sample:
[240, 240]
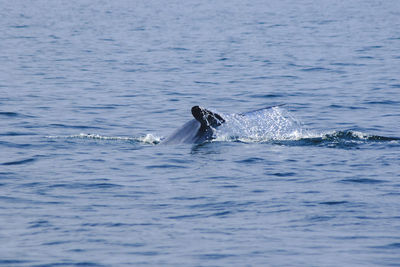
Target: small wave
[340, 139]
[147, 139]
[74, 126]
[301, 137]
[17, 133]
[278, 126]
[356, 136]
[19, 162]
[394, 246]
[14, 114]
[9, 114]
[362, 181]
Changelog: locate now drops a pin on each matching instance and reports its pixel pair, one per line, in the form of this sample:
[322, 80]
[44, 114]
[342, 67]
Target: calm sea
[89, 89]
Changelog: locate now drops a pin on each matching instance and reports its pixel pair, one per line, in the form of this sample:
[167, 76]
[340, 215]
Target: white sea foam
[147, 139]
[260, 126]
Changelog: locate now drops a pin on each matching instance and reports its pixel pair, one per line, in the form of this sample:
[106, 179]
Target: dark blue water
[88, 89]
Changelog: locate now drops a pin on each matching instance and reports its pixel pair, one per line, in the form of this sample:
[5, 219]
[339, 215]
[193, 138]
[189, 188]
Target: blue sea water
[89, 89]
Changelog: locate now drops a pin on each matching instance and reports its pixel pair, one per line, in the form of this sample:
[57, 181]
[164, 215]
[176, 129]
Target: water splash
[279, 126]
[261, 126]
[147, 139]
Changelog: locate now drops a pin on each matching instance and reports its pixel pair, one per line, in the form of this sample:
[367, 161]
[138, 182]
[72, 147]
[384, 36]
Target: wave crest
[147, 139]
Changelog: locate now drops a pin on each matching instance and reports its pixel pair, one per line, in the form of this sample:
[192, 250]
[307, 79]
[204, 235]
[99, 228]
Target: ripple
[9, 114]
[145, 253]
[332, 203]
[315, 69]
[17, 133]
[74, 126]
[383, 102]
[284, 174]
[15, 114]
[12, 262]
[185, 216]
[389, 246]
[54, 243]
[251, 160]
[216, 256]
[363, 181]
[39, 223]
[85, 185]
[267, 95]
[166, 166]
[19, 162]
[319, 218]
[71, 263]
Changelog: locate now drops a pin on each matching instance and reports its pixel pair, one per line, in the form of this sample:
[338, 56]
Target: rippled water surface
[89, 89]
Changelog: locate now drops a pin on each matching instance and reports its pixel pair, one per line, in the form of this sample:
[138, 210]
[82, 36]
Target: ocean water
[89, 89]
